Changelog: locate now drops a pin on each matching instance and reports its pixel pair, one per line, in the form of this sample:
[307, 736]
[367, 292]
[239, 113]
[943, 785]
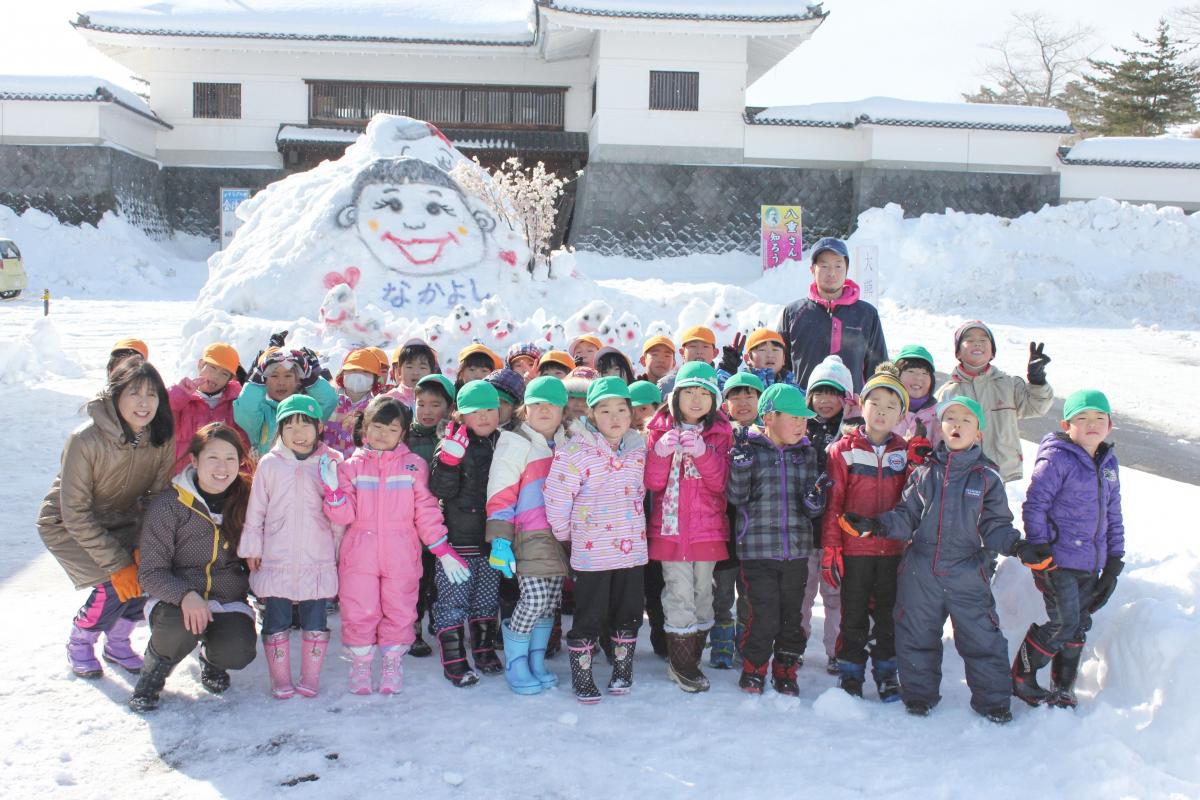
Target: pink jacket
[703, 524]
[339, 429]
[595, 499]
[288, 529]
[192, 412]
[927, 416]
[404, 394]
[389, 511]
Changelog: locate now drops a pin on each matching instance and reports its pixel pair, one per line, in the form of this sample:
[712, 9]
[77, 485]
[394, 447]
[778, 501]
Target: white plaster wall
[1179, 187]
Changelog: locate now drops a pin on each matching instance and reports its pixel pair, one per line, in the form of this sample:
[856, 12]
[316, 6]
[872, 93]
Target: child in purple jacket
[1074, 504]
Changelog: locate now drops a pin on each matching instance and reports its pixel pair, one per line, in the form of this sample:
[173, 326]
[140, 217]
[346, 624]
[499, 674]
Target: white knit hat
[831, 372]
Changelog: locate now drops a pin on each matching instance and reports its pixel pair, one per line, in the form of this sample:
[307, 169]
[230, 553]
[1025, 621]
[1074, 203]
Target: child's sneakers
[391, 677]
[783, 673]
[850, 677]
[831, 666]
[753, 678]
[361, 659]
[887, 681]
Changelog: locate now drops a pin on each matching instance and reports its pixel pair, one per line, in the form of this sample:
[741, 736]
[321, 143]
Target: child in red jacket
[868, 467]
[208, 397]
[686, 469]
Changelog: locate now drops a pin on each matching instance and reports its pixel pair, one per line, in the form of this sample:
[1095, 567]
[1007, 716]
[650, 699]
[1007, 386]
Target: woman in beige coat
[91, 517]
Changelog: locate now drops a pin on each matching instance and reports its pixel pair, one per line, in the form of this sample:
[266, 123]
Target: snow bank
[879, 108]
[32, 354]
[112, 259]
[1157, 149]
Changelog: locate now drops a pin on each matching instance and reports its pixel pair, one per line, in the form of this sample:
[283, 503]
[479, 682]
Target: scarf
[682, 466]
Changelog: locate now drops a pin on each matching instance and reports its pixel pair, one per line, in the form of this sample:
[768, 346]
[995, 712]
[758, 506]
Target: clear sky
[911, 49]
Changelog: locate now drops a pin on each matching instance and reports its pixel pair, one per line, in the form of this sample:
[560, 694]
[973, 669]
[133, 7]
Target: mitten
[1037, 557]
[919, 449]
[859, 526]
[692, 443]
[453, 565]
[329, 479]
[814, 501]
[125, 581]
[454, 445]
[666, 444]
[502, 557]
[1106, 584]
[277, 339]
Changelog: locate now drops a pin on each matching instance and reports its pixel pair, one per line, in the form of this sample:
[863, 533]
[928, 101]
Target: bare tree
[1035, 60]
[1187, 23]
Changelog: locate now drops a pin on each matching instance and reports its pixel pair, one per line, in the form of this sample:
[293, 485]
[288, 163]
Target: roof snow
[890, 111]
[719, 10]
[1130, 151]
[68, 87]
[498, 22]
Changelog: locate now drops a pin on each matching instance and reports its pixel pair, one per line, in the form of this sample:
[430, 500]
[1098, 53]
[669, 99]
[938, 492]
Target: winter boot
[624, 643]
[361, 659]
[683, 665]
[316, 645]
[117, 649]
[81, 653]
[540, 639]
[1030, 658]
[850, 677]
[484, 633]
[918, 708]
[212, 677]
[1001, 715]
[554, 643]
[454, 658]
[831, 666]
[783, 673]
[721, 654]
[582, 682]
[1063, 670]
[146, 693]
[391, 674]
[753, 678]
[516, 662]
[887, 681]
[278, 648]
[419, 648]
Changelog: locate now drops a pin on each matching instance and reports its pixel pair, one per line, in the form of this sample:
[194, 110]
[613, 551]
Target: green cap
[546, 389]
[605, 388]
[745, 379]
[477, 396]
[914, 351]
[1085, 400]
[784, 398]
[697, 373]
[298, 404]
[644, 393]
[970, 404]
[441, 380]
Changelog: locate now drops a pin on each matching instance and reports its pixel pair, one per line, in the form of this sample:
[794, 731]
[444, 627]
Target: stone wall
[192, 194]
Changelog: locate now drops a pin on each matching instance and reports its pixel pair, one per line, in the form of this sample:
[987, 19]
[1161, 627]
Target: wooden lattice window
[217, 100]
[674, 91]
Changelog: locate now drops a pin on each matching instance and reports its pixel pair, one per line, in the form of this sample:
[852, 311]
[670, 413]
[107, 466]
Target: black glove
[578, 361]
[731, 355]
[857, 525]
[740, 454]
[823, 483]
[1107, 583]
[1038, 360]
[814, 501]
[1037, 557]
[277, 339]
[310, 366]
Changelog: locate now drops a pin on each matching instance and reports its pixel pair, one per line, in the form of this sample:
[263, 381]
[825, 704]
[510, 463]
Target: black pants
[427, 589]
[868, 596]
[654, 585]
[509, 594]
[776, 593]
[1067, 594]
[229, 640]
[609, 600]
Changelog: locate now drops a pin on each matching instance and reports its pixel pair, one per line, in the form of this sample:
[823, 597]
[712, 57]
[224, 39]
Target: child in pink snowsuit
[381, 493]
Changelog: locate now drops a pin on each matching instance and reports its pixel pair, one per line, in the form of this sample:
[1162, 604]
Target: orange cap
[763, 335]
[362, 359]
[578, 340]
[131, 344]
[382, 355]
[223, 356]
[658, 341]
[564, 360]
[699, 333]
[471, 349]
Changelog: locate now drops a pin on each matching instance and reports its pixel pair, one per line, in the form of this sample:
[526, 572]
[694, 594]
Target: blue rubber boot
[850, 677]
[516, 663]
[538, 640]
[720, 655]
[886, 680]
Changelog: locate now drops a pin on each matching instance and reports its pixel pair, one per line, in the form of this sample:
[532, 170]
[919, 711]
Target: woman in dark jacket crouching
[190, 569]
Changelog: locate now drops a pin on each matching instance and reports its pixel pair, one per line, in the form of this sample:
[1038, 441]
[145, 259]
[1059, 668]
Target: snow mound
[835, 704]
[32, 354]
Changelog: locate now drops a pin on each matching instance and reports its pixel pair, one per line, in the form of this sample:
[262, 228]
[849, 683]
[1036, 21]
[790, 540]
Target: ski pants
[1067, 594]
[868, 600]
[776, 593]
[607, 601]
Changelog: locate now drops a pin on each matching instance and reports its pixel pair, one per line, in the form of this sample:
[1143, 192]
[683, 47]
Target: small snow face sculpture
[339, 308]
[460, 323]
[415, 219]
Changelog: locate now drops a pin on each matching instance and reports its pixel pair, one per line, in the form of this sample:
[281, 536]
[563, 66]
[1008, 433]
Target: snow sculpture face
[659, 328]
[339, 307]
[415, 219]
[435, 332]
[414, 138]
[628, 331]
[589, 318]
[501, 331]
[555, 334]
[460, 321]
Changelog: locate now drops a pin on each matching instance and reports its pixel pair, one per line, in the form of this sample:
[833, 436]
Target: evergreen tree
[1147, 89]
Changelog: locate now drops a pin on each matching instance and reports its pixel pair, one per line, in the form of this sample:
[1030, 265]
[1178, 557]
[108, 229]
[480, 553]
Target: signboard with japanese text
[782, 238]
[230, 200]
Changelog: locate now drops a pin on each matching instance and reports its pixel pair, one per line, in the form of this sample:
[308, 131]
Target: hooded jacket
[463, 492]
[91, 516]
[863, 483]
[595, 499]
[192, 412]
[772, 521]
[849, 327]
[1005, 399]
[1074, 503]
[184, 549]
[954, 508]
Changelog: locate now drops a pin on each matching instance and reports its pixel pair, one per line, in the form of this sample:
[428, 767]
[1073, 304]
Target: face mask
[358, 382]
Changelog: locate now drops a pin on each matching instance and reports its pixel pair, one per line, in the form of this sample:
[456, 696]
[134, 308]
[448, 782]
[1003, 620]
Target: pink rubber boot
[81, 652]
[361, 659]
[278, 647]
[117, 648]
[391, 680]
[316, 643]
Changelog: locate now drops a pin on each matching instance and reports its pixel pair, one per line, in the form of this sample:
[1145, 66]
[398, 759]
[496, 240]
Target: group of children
[664, 493]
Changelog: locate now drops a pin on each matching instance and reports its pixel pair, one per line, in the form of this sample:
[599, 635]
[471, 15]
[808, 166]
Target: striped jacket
[863, 483]
[772, 520]
[595, 499]
[516, 505]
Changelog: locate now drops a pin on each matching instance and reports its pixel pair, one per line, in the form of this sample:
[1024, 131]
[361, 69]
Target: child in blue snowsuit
[1073, 504]
[954, 508]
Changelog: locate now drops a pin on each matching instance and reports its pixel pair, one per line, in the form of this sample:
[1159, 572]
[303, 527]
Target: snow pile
[878, 108]
[34, 353]
[1099, 262]
[112, 259]
[1156, 149]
